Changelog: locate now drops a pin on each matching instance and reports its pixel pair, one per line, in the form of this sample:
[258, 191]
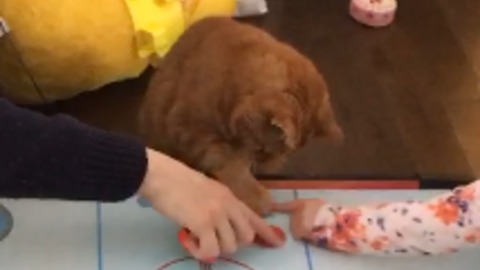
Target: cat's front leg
[233, 170]
[237, 176]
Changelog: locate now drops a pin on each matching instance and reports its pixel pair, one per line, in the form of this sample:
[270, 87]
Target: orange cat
[229, 98]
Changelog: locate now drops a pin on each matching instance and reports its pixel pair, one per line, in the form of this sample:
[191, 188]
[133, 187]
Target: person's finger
[207, 247]
[296, 226]
[226, 236]
[263, 230]
[191, 244]
[286, 207]
[244, 231]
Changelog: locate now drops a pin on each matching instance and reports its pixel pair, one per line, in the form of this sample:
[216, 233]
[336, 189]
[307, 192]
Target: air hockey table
[56, 235]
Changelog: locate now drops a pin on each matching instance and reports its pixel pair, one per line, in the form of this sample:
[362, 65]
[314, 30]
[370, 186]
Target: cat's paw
[257, 198]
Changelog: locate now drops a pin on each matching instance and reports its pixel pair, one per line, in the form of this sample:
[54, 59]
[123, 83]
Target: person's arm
[443, 224]
[42, 157]
[61, 158]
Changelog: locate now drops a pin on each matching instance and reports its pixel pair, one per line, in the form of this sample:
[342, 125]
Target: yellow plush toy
[65, 47]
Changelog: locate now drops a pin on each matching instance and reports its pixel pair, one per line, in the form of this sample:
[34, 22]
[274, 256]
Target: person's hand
[219, 221]
[303, 213]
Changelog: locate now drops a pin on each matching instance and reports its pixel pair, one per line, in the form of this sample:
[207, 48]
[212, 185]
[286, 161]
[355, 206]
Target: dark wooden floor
[407, 96]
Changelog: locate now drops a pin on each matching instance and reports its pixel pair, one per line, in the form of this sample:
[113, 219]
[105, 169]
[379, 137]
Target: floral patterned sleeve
[443, 224]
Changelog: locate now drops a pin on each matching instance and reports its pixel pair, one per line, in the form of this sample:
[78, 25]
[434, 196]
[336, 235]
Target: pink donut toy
[375, 13]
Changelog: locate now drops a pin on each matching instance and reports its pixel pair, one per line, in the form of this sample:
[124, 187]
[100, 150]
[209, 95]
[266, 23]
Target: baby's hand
[303, 214]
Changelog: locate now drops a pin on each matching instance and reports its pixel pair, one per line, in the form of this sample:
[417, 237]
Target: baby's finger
[296, 225]
[287, 207]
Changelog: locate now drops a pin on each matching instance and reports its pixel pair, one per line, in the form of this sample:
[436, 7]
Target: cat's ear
[286, 130]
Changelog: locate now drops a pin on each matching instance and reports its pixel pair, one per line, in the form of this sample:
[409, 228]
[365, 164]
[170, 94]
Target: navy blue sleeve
[60, 158]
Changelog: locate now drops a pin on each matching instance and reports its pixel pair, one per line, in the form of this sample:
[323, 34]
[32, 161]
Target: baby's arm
[441, 225]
